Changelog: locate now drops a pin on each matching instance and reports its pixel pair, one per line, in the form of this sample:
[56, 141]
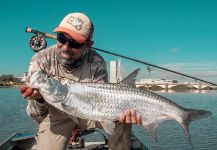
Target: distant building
[115, 74]
[23, 78]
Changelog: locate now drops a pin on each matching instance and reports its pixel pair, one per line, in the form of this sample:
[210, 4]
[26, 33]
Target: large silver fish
[105, 102]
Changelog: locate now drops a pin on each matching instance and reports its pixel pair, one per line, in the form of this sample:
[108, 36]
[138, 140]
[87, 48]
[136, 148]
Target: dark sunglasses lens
[61, 38]
[72, 43]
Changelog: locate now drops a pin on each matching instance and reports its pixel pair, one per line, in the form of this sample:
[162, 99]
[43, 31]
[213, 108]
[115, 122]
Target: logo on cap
[76, 22]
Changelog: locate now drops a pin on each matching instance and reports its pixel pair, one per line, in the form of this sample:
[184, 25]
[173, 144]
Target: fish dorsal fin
[131, 78]
[108, 126]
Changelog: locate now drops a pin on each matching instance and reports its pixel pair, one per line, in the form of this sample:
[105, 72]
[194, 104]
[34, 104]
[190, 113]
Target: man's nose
[66, 46]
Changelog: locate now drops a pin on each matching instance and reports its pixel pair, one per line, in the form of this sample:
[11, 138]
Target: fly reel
[37, 42]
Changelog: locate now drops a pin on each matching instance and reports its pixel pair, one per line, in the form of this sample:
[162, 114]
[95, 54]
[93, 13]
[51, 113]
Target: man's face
[70, 50]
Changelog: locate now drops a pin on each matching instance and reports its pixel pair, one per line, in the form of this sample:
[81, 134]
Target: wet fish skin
[105, 102]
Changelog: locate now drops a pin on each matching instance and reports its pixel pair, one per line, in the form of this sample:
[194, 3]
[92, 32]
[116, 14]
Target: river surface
[170, 135]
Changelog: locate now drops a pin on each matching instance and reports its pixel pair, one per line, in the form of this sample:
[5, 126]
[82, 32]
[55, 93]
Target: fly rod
[38, 42]
[146, 63]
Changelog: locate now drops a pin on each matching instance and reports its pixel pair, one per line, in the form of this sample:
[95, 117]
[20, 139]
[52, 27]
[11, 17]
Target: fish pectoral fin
[108, 126]
[152, 125]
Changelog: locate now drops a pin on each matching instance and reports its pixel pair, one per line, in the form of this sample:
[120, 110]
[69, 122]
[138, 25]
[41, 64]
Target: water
[203, 132]
[13, 116]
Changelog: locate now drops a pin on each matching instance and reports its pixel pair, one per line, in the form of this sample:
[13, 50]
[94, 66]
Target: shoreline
[9, 86]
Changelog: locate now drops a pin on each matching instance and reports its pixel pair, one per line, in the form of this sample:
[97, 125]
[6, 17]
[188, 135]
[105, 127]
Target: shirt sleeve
[98, 67]
[101, 74]
[37, 111]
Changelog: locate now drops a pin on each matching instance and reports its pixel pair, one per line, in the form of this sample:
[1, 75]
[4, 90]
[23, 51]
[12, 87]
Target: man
[71, 58]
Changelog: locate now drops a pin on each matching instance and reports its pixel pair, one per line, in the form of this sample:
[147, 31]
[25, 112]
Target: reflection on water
[184, 91]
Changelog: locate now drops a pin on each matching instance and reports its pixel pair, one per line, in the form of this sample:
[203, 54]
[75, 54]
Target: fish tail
[192, 115]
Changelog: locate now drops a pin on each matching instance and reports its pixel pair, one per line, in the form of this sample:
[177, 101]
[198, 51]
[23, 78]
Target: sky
[176, 34]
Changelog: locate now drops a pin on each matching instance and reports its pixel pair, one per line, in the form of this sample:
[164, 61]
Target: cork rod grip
[47, 35]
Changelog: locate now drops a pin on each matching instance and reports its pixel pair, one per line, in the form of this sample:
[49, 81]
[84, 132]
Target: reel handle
[47, 35]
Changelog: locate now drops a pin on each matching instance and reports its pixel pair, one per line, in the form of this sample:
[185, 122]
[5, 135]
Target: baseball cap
[77, 25]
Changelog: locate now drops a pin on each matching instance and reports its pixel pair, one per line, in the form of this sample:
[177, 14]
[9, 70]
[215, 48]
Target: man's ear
[90, 43]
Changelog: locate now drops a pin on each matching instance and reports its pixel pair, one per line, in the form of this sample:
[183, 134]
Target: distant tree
[7, 78]
[149, 69]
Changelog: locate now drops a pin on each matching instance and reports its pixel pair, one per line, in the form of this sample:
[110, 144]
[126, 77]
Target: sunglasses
[72, 43]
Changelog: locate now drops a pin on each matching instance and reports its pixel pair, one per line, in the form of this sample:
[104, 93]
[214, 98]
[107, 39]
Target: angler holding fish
[68, 88]
[70, 58]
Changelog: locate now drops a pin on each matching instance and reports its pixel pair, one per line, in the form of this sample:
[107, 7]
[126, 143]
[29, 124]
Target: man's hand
[130, 116]
[30, 93]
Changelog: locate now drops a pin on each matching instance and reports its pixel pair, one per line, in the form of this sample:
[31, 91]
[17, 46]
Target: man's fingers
[28, 92]
[133, 116]
[36, 95]
[139, 121]
[122, 118]
[23, 88]
[128, 116]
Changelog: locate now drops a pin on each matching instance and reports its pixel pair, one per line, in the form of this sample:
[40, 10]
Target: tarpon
[105, 102]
